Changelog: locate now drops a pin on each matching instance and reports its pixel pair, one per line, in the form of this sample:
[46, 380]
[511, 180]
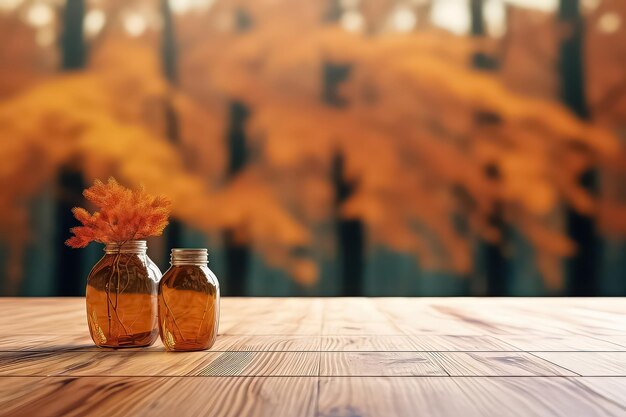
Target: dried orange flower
[124, 215]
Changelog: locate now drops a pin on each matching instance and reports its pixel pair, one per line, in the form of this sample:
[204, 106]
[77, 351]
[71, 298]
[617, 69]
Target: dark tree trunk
[237, 257]
[69, 261]
[477, 27]
[168, 44]
[73, 47]
[175, 230]
[70, 183]
[581, 269]
[350, 235]
[480, 60]
[350, 232]
[238, 254]
[495, 265]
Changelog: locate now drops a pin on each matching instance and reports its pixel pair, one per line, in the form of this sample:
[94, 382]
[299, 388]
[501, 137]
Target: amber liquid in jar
[122, 297]
[189, 302]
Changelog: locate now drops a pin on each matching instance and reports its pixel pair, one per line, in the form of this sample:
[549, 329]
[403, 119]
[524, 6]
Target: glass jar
[189, 302]
[122, 297]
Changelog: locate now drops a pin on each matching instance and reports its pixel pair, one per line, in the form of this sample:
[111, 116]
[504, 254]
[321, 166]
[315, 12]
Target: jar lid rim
[128, 246]
[181, 256]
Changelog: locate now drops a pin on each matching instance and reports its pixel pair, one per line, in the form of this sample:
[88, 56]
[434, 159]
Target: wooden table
[329, 357]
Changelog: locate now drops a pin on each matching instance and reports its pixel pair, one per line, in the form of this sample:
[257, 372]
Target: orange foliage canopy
[435, 149]
[124, 215]
[78, 120]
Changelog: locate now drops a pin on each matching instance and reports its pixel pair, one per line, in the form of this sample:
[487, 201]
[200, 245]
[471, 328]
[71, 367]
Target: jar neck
[132, 246]
[189, 257]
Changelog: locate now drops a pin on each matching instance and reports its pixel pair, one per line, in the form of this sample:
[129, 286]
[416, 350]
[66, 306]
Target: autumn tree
[413, 101]
[418, 170]
[78, 117]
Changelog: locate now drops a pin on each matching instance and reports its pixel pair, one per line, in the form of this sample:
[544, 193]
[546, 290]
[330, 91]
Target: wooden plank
[367, 343]
[77, 342]
[619, 340]
[496, 364]
[393, 397]
[612, 388]
[352, 310]
[159, 397]
[21, 342]
[467, 397]
[589, 363]
[16, 389]
[378, 364]
[271, 316]
[124, 363]
[260, 364]
[343, 328]
[291, 327]
[267, 343]
[560, 343]
[141, 363]
[417, 317]
[460, 343]
[595, 321]
[534, 396]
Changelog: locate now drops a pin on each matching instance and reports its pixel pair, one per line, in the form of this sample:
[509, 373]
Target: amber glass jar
[189, 302]
[122, 297]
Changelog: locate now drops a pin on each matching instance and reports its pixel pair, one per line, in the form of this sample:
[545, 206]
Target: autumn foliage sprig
[123, 215]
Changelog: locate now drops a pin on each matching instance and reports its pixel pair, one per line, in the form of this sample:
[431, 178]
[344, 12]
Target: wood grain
[378, 364]
[115, 363]
[467, 397]
[612, 388]
[589, 363]
[260, 364]
[619, 340]
[284, 357]
[267, 343]
[560, 343]
[460, 344]
[155, 397]
[393, 397]
[392, 343]
[344, 327]
[534, 396]
[496, 364]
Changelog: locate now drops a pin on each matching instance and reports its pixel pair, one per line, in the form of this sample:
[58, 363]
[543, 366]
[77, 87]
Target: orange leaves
[249, 204]
[124, 215]
[426, 139]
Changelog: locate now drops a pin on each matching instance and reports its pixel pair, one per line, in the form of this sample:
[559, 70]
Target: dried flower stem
[173, 318]
[114, 267]
[206, 307]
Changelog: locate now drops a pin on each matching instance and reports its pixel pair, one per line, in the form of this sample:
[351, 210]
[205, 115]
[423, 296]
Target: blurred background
[329, 147]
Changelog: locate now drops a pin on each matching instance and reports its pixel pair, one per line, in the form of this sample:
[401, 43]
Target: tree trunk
[495, 265]
[70, 183]
[480, 60]
[175, 230]
[350, 232]
[350, 236]
[238, 254]
[581, 269]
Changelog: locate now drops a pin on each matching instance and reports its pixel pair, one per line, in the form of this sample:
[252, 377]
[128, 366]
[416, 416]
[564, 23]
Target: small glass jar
[122, 297]
[189, 302]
